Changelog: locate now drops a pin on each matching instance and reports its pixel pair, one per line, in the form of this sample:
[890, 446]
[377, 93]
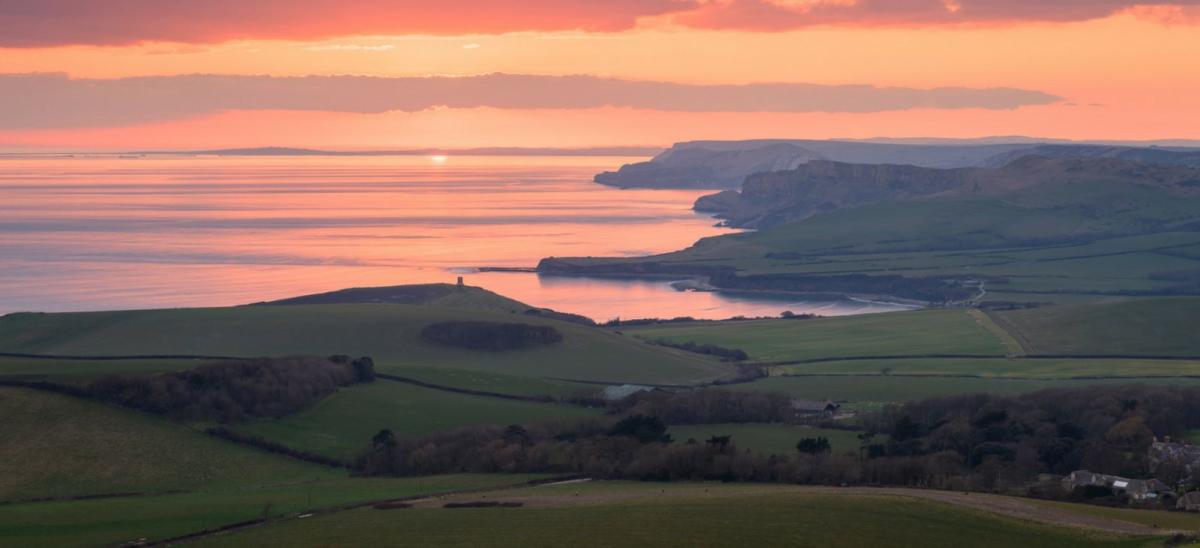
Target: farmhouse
[1189, 502]
[613, 393]
[1136, 489]
[808, 407]
[1181, 454]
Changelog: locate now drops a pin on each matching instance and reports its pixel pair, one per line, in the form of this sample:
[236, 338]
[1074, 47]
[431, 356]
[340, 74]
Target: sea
[105, 232]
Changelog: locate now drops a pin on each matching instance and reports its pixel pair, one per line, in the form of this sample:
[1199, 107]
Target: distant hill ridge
[726, 164]
[779, 197]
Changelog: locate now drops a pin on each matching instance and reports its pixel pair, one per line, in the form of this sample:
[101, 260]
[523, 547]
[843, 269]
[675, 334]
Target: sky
[370, 74]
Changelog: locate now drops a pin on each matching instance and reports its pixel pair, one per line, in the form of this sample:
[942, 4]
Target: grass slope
[769, 518]
[109, 522]
[62, 370]
[1163, 326]
[387, 333]
[898, 333]
[57, 446]
[341, 425]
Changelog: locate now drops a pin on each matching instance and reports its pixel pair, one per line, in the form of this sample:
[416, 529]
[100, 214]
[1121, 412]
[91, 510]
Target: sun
[438, 159]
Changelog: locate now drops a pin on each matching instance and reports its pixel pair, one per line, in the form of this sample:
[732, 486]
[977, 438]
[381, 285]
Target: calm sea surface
[91, 233]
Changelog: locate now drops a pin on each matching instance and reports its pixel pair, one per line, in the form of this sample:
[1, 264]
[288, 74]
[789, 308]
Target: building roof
[814, 406]
[618, 392]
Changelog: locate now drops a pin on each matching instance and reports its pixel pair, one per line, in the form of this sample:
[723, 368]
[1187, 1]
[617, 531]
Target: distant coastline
[295, 151]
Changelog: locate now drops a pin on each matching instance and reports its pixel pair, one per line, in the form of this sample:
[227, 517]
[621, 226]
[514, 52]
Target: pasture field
[878, 388]
[913, 333]
[779, 439]
[389, 333]
[1154, 327]
[112, 521]
[58, 446]
[473, 379]
[342, 424]
[670, 514]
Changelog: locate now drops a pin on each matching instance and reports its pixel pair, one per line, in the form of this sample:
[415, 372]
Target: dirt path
[1011, 344]
[1012, 507]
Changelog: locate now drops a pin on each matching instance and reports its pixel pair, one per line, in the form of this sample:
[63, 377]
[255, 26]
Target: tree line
[977, 442]
[229, 391]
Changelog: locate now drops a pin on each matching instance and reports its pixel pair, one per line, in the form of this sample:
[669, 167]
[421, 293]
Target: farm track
[1012, 507]
[243, 525]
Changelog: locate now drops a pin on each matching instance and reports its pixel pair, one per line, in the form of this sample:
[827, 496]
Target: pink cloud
[34, 23]
[37, 23]
[782, 15]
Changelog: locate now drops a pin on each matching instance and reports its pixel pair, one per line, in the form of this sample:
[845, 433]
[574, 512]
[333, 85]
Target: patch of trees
[786, 315]
[490, 336]
[707, 406]
[234, 390]
[989, 442]
[598, 448]
[561, 316]
[726, 354]
[978, 442]
[918, 288]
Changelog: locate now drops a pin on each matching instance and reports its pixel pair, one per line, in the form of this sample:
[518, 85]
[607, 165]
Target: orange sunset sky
[147, 74]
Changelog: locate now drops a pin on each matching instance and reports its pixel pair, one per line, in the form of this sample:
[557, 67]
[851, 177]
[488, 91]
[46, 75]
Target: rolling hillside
[58, 446]
[389, 333]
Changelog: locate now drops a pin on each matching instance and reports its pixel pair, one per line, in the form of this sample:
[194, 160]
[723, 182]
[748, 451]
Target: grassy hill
[389, 333]
[58, 446]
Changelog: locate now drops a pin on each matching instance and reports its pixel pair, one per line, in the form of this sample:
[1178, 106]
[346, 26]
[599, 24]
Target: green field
[878, 388]
[760, 517]
[59, 446]
[387, 333]
[341, 425]
[898, 333]
[1162, 327]
[107, 522]
[779, 439]
[486, 381]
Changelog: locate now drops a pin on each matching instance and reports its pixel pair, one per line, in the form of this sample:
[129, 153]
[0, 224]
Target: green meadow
[894, 334]
[342, 424]
[59, 446]
[113, 521]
